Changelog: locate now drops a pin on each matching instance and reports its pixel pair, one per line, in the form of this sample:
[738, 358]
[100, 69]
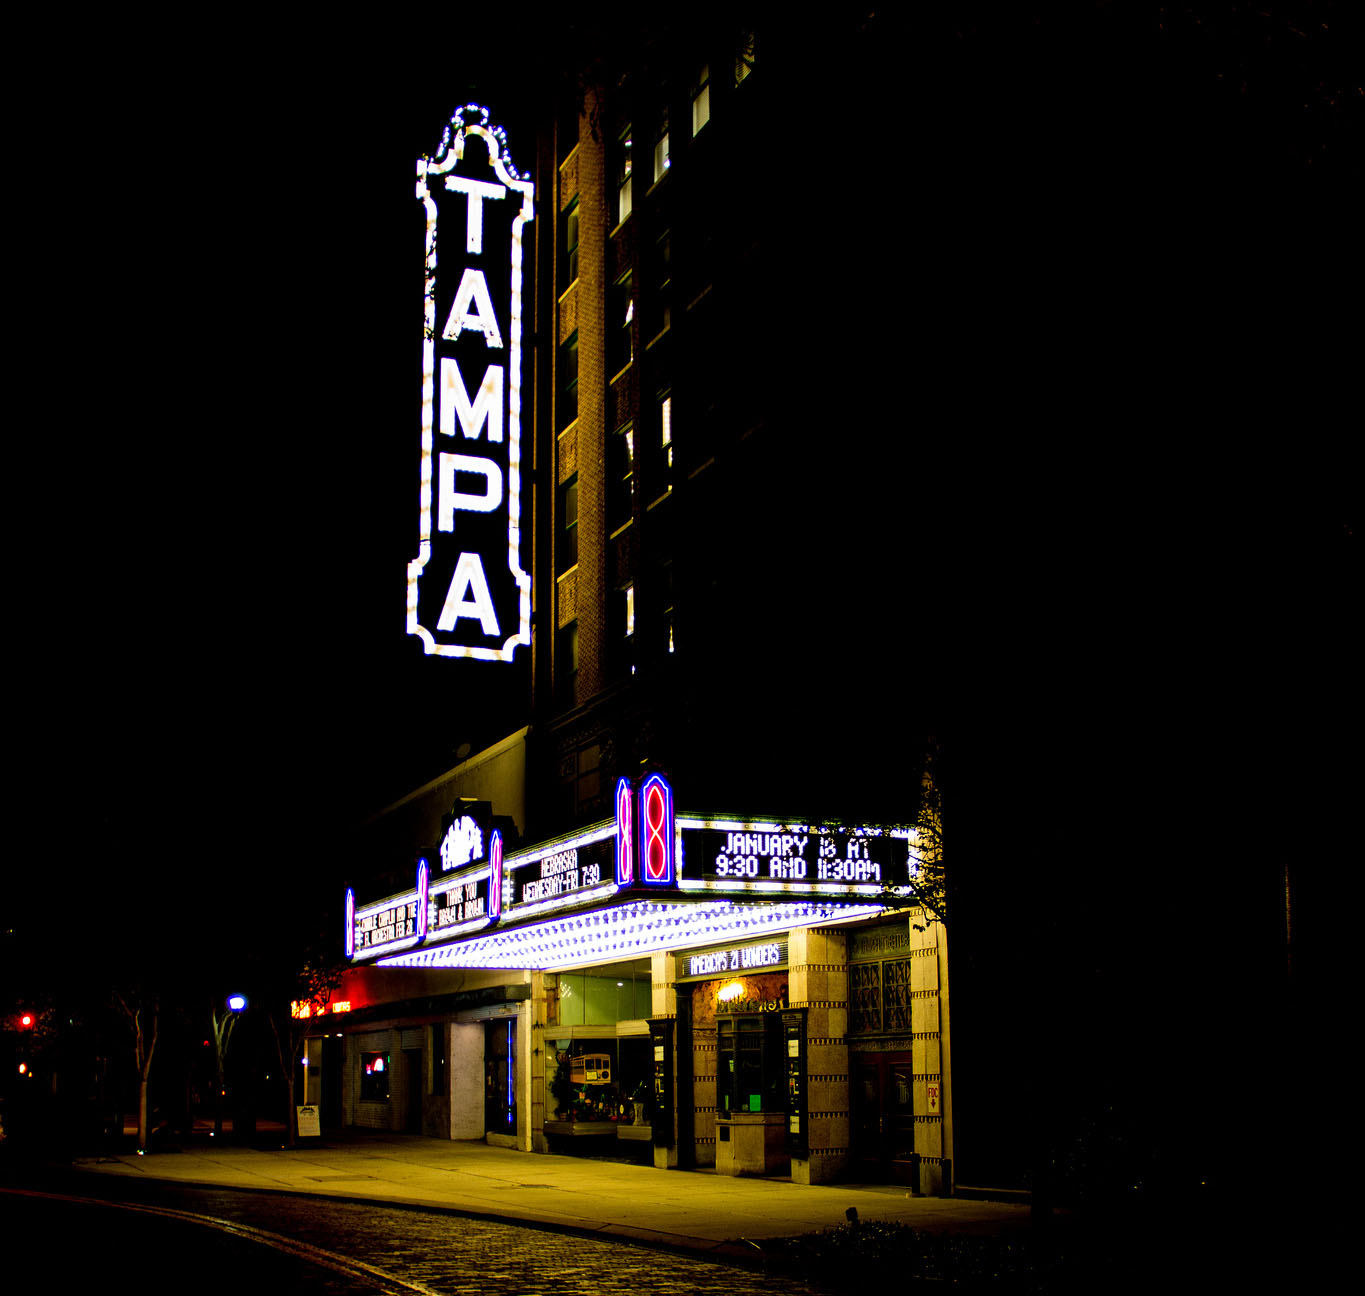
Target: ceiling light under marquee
[631, 930]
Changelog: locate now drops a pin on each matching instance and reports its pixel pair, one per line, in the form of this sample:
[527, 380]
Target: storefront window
[586, 999]
[374, 1077]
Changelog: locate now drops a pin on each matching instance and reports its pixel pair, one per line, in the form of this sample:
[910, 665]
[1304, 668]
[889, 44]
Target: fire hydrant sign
[468, 595]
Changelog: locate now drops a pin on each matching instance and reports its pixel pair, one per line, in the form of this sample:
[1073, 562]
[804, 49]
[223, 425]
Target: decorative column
[929, 1035]
[818, 982]
[537, 1069]
[663, 1005]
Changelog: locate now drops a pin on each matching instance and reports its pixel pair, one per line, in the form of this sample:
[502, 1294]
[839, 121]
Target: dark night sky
[1145, 489]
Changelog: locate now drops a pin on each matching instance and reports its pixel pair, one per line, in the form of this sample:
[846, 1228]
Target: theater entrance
[500, 1076]
[883, 1118]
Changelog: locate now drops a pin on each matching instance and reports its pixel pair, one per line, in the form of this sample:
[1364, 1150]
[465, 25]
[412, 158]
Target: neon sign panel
[656, 832]
[467, 593]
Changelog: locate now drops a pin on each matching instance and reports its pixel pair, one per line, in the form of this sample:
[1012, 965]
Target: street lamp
[222, 1033]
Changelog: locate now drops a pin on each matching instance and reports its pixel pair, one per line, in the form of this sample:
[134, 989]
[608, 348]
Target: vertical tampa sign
[467, 593]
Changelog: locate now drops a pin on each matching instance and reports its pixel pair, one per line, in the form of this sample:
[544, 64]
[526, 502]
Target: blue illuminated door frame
[500, 1076]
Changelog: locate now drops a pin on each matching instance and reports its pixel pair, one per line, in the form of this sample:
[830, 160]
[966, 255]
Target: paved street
[228, 1241]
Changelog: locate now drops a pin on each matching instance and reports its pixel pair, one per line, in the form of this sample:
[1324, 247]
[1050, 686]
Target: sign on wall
[468, 595]
[734, 960]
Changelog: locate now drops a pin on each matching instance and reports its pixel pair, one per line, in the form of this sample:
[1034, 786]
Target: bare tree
[223, 1025]
[139, 1008]
[290, 1013]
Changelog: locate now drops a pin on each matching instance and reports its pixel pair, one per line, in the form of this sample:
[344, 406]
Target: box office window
[750, 1064]
[374, 1077]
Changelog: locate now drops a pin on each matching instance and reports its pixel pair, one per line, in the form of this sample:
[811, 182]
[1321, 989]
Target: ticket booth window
[751, 1071]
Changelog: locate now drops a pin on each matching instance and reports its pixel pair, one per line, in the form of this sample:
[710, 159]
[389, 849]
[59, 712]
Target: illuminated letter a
[469, 576]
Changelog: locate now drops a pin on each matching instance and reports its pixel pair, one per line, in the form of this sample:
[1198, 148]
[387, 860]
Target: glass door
[883, 1117]
[500, 1076]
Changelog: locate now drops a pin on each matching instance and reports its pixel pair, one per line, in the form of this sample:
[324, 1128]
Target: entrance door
[500, 1076]
[333, 1059]
[412, 1068]
[883, 1117]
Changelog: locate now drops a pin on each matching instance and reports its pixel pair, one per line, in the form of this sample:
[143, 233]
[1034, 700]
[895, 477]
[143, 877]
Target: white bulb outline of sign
[452, 149]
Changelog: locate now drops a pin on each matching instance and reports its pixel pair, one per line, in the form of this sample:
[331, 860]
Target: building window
[623, 169]
[621, 484]
[701, 101]
[621, 650]
[744, 57]
[866, 1006]
[569, 251]
[374, 1077]
[580, 782]
[568, 380]
[585, 999]
[666, 429]
[568, 531]
[660, 316]
[666, 624]
[880, 997]
[661, 157]
[566, 661]
[620, 317]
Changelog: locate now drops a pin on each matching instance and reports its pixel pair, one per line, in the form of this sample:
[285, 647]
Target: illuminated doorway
[500, 1076]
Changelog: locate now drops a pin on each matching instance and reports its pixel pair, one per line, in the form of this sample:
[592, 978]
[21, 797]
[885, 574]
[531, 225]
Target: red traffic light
[26, 1021]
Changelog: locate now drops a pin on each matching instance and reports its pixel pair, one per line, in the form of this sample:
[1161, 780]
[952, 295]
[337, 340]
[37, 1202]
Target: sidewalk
[694, 1211]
